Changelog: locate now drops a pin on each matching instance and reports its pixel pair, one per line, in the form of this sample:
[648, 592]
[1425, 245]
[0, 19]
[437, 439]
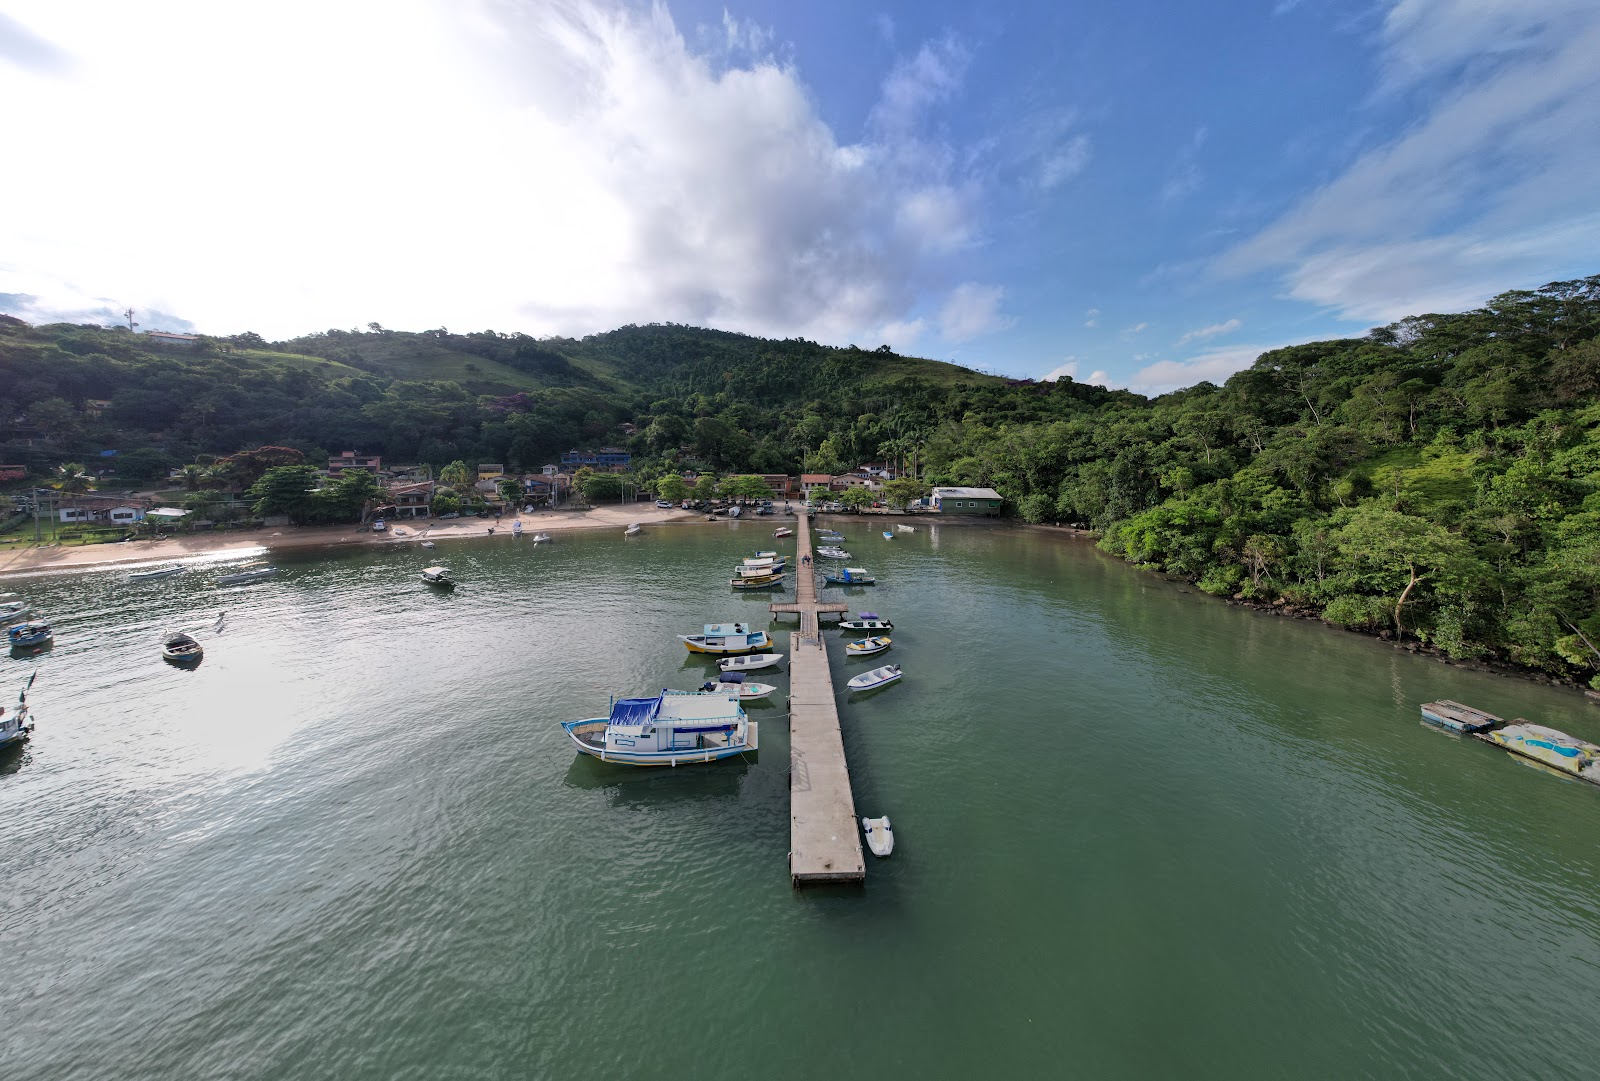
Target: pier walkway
[824, 840]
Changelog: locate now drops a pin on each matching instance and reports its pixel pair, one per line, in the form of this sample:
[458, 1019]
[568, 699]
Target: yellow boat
[726, 639]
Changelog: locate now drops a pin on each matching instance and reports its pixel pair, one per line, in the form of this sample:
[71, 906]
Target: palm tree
[72, 477]
[193, 476]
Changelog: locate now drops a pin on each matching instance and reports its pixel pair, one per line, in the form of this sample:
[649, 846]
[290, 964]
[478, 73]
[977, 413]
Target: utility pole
[129, 316]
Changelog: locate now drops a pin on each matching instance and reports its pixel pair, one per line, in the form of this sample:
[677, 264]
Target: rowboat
[633, 530]
[675, 728]
[757, 581]
[878, 677]
[180, 648]
[733, 683]
[828, 551]
[159, 572]
[880, 835]
[906, 528]
[438, 576]
[866, 647]
[887, 535]
[26, 635]
[254, 574]
[12, 609]
[1458, 718]
[749, 662]
[726, 639]
[850, 576]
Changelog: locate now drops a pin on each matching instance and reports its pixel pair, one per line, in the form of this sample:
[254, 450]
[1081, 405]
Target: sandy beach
[33, 560]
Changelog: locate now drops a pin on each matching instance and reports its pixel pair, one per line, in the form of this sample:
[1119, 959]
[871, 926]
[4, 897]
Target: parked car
[664, 504]
[450, 514]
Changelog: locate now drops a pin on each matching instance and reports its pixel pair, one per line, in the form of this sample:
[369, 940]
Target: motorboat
[850, 576]
[769, 580]
[17, 724]
[427, 544]
[12, 609]
[903, 528]
[829, 551]
[1550, 747]
[541, 538]
[766, 563]
[865, 625]
[675, 728]
[633, 530]
[866, 647]
[783, 531]
[159, 572]
[516, 528]
[765, 554]
[887, 535]
[180, 648]
[749, 662]
[726, 639]
[438, 576]
[29, 635]
[880, 835]
[253, 574]
[878, 677]
[829, 535]
[733, 683]
[1458, 718]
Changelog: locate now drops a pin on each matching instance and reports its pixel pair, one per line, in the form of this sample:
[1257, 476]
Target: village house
[93, 407]
[351, 459]
[179, 341]
[810, 482]
[491, 471]
[413, 500]
[984, 501]
[606, 459]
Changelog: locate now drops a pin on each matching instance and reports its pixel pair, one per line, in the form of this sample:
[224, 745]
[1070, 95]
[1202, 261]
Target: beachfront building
[781, 484]
[981, 501]
[412, 500]
[605, 460]
[844, 481]
[351, 459]
[814, 482]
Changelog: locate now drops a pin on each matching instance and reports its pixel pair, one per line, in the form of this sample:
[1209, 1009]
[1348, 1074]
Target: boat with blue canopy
[726, 639]
[850, 576]
[674, 728]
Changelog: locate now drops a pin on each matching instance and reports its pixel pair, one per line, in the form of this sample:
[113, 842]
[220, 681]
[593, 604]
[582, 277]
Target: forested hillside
[1437, 478]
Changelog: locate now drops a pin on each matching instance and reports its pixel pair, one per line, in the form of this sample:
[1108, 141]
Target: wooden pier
[824, 839]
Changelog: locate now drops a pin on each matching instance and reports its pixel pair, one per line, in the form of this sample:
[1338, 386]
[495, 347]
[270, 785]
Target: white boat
[767, 554]
[867, 647]
[828, 551]
[516, 528]
[749, 662]
[675, 728]
[726, 639]
[427, 544]
[733, 683]
[16, 724]
[734, 512]
[906, 528]
[438, 576]
[878, 677]
[865, 625]
[10, 610]
[880, 835]
[253, 574]
[541, 538]
[159, 572]
[633, 530]
[783, 531]
[765, 564]
[181, 648]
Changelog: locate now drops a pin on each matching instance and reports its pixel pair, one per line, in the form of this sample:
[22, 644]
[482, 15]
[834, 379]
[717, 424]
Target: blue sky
[1141, 194]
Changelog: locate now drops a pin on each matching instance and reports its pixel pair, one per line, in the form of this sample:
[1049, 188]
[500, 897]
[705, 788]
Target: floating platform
[1459, 718]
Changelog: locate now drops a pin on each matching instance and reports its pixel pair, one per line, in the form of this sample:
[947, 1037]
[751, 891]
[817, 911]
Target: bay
[1139, 833]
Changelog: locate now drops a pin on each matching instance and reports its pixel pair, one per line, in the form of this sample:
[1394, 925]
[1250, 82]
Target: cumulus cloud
[1212, 365]
[1201, 333]
[1137, 328]
[560, 167]
[1069, 370]
[970, 310]
[1091, 318]
[1494, 185]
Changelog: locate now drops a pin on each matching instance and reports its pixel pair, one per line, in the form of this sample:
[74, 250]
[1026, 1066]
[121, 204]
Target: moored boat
[633, 530]
[516, 528]
[726, 639]
[438, 576]
[850, 576]
[749, 662]
[734, 683]
[159, 572]
[734, 512]
[541, 538]
[880, 835]
[878, 677]
[12, 609]
[888, 535]
[783, 531]
[1550, 747]
[829, 551]
[903, 528]
[427, 544]
[1457, 717]
[867, 647]
[180, 648]
[252, 574]
[29, 635]
[674, 728]
[773, 580]
[865, 625]
[17, 724]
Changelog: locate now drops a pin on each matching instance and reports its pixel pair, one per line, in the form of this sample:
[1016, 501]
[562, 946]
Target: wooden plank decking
[824, 843]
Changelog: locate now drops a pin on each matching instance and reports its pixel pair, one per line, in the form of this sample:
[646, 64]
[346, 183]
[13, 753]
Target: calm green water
[1140, 835]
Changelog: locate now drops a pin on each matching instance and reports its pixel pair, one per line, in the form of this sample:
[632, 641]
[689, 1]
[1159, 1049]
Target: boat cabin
[673, 727]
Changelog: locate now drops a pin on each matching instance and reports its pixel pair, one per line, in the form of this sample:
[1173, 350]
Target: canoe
[867, 647]
[878, 677]
[750, 662]
[880, 835]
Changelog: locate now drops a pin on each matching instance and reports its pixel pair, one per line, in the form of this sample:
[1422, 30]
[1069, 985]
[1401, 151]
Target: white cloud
[1064, 162]
[559, 167]
[901, 336]
[1137, 328]
[1069, 370]
[1201, 333]
[970, 310]
[1492, 188]
[1213, 365]
[1091, 318]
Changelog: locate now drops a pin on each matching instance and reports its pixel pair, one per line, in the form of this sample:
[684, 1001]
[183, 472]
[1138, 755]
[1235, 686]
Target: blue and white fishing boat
[878, 677]
[850, 576]
[1458, 718]
[675, 728]
[29, 635]
[726, 639]
[17, 724]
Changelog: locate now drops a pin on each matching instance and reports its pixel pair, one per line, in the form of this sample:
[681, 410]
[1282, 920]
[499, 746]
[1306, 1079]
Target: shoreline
[44, 560]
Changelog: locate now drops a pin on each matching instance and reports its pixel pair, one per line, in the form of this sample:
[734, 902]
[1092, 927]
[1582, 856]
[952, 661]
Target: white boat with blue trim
[726, 639]
[675, 728]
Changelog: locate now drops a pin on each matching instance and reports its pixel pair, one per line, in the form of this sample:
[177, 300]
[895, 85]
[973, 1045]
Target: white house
[77, 514]
[125, 515]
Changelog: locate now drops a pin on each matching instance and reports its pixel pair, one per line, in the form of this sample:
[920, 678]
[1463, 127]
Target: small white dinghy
[541, 538]
[906, 528]
[878, 677]
[633, 530]
[733, 683]
[749, 662]
[880, 835]
[427, 544]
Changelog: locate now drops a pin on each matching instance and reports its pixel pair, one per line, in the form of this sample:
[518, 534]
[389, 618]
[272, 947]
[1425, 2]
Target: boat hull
[576, 730]
[729, 651]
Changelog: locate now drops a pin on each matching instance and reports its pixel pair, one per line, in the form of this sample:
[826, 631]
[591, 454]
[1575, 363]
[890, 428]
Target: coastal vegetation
[1437, 479]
